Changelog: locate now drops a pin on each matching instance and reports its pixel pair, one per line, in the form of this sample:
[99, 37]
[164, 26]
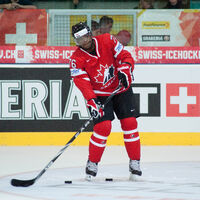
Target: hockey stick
[27, 183]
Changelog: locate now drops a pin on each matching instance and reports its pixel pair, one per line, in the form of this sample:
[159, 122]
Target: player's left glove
[95, 108]
[124, 75]
[123, 78]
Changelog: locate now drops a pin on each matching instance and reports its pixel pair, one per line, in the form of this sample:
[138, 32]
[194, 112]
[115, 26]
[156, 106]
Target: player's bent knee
[103, 128]
[128, 123]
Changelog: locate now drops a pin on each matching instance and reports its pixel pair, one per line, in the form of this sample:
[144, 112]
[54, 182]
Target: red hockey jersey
[97, 75]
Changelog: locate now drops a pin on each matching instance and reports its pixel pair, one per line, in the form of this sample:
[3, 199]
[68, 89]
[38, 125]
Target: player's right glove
[124, 75]
[95, 108]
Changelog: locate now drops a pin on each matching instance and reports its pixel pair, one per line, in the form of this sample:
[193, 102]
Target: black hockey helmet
[80, 29]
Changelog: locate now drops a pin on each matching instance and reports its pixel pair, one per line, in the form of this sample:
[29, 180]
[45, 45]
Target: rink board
[39, 105]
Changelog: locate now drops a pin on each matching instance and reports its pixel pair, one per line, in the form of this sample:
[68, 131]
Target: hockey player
[97, 67]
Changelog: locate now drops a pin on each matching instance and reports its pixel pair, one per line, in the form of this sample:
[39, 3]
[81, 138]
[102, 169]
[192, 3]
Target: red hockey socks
[98, 140]
[131, 137]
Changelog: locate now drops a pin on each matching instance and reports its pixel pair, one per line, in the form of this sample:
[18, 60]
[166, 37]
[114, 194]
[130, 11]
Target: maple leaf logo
[100, 76]
[105, 73]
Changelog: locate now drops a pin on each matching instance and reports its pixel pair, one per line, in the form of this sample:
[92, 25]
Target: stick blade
[22, 183]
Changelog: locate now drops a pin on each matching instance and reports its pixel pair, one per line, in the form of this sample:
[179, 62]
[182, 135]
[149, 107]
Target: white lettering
[75, 104]
[8, 100]
[55, 99]
[144, 98]
[27, 100]
[34, 96]
[1, 54]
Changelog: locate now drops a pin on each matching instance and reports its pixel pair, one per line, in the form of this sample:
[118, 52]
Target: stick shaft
[85, 125]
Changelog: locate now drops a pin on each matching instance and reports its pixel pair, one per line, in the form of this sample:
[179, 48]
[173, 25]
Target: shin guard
[131, 137]
[98, 140]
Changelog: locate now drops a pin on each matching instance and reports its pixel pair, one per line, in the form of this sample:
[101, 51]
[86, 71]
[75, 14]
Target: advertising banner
[43, 98]
[42, 54]
[40, 105]
[40, 99]
[61, 55]
[23, 27]
[169, 28]
[169, 97]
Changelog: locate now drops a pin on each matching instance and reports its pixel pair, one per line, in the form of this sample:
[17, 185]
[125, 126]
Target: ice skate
[134, 168]
[91, 170]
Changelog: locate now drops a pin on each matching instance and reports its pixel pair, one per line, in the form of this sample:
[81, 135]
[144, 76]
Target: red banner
[61, 55]
[23, 27]
[167, 54]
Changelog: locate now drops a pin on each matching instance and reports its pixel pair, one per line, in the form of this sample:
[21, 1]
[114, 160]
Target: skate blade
[88, 178]
[133, 177]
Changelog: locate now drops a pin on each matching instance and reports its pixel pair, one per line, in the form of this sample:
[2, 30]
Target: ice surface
[163, 178]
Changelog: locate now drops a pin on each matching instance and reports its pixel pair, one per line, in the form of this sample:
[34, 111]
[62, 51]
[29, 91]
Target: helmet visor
[81, 36]
[82, 40]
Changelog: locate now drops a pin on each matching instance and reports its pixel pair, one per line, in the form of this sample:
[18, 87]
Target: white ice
[169, 173]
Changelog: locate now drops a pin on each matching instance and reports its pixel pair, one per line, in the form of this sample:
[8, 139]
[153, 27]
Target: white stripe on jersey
[100, 92]
[88, 53]
[121, 68]
[87, 79]
[97, 49]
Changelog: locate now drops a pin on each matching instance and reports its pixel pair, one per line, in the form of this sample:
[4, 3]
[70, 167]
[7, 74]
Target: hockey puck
[68, 182]
[108, 179]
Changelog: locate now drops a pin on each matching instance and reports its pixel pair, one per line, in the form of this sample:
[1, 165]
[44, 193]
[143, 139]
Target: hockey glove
[123, 78]
[95, 108]
[124, 75]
